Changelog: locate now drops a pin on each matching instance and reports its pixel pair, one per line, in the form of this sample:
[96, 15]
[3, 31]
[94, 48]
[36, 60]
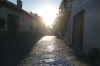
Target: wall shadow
[81, 55]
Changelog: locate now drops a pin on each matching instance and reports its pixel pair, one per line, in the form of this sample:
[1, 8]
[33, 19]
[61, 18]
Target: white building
[84, 24]
[14, 21]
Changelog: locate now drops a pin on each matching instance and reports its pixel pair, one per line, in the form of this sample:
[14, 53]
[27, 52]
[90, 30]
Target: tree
[61, 22]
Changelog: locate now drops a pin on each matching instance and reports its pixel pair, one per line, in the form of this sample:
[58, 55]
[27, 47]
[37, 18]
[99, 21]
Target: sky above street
[37, 5]
[45, 8]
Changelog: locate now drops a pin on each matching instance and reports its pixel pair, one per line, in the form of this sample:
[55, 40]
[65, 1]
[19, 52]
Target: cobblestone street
[49, 33]
[50, 51]
[46, 51]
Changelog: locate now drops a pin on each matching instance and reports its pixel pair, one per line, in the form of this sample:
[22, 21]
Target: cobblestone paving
[50, 51]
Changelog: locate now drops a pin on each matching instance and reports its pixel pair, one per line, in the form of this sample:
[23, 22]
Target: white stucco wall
[89, 37]
[97, 24]
[25, 23]
[24, 20]
[34, 25]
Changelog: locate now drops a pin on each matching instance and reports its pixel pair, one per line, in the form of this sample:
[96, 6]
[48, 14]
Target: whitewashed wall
[24, 20]
[91, 35]
[97, 23]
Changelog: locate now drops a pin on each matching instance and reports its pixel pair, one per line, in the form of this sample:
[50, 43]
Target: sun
[49, 14]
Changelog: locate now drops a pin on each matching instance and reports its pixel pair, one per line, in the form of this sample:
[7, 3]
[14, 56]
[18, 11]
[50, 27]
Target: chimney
[19, 3]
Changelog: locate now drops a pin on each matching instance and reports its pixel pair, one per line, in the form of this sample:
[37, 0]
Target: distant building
[14, 21]
[38, 24]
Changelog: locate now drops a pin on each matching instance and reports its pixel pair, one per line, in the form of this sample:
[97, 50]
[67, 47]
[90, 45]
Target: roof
[15, 7]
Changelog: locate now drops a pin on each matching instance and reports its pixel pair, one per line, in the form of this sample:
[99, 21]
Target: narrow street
[49, 33]
[50, 51]
[47, 52]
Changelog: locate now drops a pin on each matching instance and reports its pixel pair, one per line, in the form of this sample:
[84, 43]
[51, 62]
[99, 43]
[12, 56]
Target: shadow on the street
[78, 54]
[12, 52]
[81, 56]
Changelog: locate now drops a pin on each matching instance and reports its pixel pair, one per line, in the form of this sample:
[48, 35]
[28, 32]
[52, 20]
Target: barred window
[2, 23]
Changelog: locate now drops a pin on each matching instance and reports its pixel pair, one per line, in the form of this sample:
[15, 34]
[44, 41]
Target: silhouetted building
[39, 25]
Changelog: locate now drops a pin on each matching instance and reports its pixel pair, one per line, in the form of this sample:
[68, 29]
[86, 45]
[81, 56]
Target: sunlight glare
[49, 14]
[51, 48]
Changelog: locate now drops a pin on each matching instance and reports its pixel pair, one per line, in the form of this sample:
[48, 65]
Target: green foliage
[60, 24]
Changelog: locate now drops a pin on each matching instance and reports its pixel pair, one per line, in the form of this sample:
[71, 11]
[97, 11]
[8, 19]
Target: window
[2, 23]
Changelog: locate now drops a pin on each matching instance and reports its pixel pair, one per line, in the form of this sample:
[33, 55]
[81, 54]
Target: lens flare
[49, 14]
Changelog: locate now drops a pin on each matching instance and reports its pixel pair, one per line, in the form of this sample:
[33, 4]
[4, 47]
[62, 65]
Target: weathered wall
[89, 21]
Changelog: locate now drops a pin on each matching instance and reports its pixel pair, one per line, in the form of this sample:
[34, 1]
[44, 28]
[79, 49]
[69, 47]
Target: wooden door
[78, 29]
[12, 27]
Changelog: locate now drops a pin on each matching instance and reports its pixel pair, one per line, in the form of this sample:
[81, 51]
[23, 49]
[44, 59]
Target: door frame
[9, 17]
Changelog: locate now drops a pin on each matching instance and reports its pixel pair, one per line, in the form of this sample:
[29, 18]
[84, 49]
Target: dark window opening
[2, 23]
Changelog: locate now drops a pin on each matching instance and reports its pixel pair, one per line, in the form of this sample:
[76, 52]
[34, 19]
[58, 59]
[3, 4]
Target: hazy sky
[36, 5]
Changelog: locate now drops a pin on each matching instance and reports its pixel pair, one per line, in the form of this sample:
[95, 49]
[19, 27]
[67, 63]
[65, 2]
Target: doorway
[78, 29]
[12, 27]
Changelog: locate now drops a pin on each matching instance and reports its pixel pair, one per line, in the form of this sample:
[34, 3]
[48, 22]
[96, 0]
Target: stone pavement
[50, 51]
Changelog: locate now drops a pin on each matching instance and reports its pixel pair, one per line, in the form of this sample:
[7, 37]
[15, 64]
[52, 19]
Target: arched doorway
[13, 28]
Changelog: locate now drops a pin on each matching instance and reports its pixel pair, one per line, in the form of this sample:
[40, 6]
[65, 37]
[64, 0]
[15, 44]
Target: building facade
[84, 24]
[64, 17]
[14, 21]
